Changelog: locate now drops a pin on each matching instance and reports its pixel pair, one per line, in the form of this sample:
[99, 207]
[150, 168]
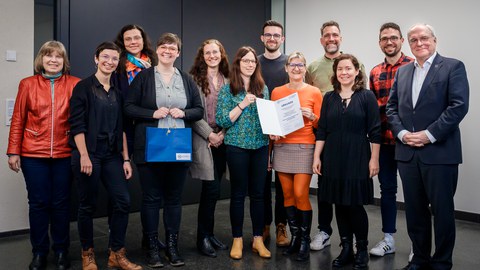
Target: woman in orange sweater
[293, 156]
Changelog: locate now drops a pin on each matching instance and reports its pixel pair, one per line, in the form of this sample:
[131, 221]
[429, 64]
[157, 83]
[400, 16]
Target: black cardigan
[140, 105]
[82, 114]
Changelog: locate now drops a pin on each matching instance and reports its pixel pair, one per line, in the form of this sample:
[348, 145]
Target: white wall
[456, 24]
[16, 33]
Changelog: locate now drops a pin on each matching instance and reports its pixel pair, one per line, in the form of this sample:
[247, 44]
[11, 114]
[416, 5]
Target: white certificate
[280, 117]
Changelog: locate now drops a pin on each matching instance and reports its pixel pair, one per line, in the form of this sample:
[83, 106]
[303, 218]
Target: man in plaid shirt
[381, 80]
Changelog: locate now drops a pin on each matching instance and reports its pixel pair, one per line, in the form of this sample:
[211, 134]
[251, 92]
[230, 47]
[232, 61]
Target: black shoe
[154, 259]
[206, 248]
[160, 244]
[39, 262]
[217, 244]
[361, 258]
[346, 255]
[62, 261]
[172, 250]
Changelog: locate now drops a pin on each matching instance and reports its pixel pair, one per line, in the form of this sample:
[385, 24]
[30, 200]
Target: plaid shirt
[381, 80]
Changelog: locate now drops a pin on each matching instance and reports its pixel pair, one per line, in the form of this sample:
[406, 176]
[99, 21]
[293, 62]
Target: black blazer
[442, 104]
[140, 104]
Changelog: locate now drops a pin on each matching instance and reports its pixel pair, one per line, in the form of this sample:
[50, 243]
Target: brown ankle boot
[237, 248]
[259, 247]
[88, 260]
[118, 260]
[282, 238]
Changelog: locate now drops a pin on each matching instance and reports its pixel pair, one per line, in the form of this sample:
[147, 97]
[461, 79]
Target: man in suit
[428, 100]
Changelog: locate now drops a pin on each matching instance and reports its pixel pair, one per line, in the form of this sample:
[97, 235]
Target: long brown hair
[199, 68]
[256, 81]
[359, 79]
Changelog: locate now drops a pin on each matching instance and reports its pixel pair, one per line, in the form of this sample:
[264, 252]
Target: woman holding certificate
[247, 147]
[165, 97]
[348, 135]
[293, 154]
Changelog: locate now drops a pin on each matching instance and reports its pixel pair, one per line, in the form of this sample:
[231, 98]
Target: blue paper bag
[168, 145]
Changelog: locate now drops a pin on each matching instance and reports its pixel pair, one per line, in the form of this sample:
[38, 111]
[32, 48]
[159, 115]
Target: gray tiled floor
[15, 251]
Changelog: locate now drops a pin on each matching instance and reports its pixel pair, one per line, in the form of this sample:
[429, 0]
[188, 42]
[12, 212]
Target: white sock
[389, 238]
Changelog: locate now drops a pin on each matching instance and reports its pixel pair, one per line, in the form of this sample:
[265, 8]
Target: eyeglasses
[423, 39]
[168, 48]
[108, 58]
[269, 36]
[130, 39]
[392, 39]
[296, 65]
[249, 61]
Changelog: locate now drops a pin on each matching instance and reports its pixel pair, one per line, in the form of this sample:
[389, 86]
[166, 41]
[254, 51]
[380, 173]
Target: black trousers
[280, 214]
[427, 185]
[210, 194]
[325, 212]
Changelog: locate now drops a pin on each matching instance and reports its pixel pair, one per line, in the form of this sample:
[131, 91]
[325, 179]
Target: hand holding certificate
[280, 117]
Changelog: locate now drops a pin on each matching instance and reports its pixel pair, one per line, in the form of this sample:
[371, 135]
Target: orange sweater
[310, 97]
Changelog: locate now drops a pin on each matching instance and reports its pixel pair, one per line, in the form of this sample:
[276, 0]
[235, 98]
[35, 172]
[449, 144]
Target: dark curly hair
[359, 79]
[199, 67]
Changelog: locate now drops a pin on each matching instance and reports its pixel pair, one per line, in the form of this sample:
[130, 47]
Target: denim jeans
[388, 187]
[162, 181]
[248, 169]
[48, 182]
[210, 194]
[107, 168]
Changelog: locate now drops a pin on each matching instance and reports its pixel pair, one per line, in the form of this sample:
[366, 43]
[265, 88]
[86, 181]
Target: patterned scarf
[134, 65]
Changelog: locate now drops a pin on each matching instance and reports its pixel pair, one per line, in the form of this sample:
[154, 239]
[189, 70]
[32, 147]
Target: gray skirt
[293, 158]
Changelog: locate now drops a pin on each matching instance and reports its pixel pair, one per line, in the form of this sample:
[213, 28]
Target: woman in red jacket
[38, 144]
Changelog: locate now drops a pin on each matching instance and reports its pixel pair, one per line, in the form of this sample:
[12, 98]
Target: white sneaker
[320, 241]
[383, 248]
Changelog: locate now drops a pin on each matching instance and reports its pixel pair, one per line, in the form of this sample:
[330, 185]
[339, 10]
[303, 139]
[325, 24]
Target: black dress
[347, 133]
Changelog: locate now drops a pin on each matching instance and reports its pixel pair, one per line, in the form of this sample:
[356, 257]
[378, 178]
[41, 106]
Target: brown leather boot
[282, 238]
[237, 248]
[88, 260]
[118, 260]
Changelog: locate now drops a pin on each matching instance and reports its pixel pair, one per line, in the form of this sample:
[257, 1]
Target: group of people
[93, 129]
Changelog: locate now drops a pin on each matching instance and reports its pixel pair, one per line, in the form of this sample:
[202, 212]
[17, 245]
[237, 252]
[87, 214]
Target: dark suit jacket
[140, 105]
[442, 103]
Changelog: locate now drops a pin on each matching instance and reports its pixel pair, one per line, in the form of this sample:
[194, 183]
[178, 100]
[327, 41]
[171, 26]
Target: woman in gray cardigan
[210, 72]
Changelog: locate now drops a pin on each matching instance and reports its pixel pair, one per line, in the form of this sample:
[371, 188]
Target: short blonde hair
[46, 49]
[296, 55]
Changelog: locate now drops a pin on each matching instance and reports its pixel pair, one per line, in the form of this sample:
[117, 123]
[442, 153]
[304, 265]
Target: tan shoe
[118, 260]
[282, 237]
[259, 247]
[237, 247]
[88, 260]
[266, 233]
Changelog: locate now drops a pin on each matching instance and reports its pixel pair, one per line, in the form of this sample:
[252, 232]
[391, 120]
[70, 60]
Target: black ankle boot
[205, 247]
[62, 261]
[217, 244]
[172, 250]
[39, 262]
[361, 258]
[294, 246]
[346, 255]
[145, 243]
[154, 259]
[306, 224]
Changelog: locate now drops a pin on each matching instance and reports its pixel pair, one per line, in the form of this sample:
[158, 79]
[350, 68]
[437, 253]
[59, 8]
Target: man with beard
[272, 62]
[319, 74]
[381, 80]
